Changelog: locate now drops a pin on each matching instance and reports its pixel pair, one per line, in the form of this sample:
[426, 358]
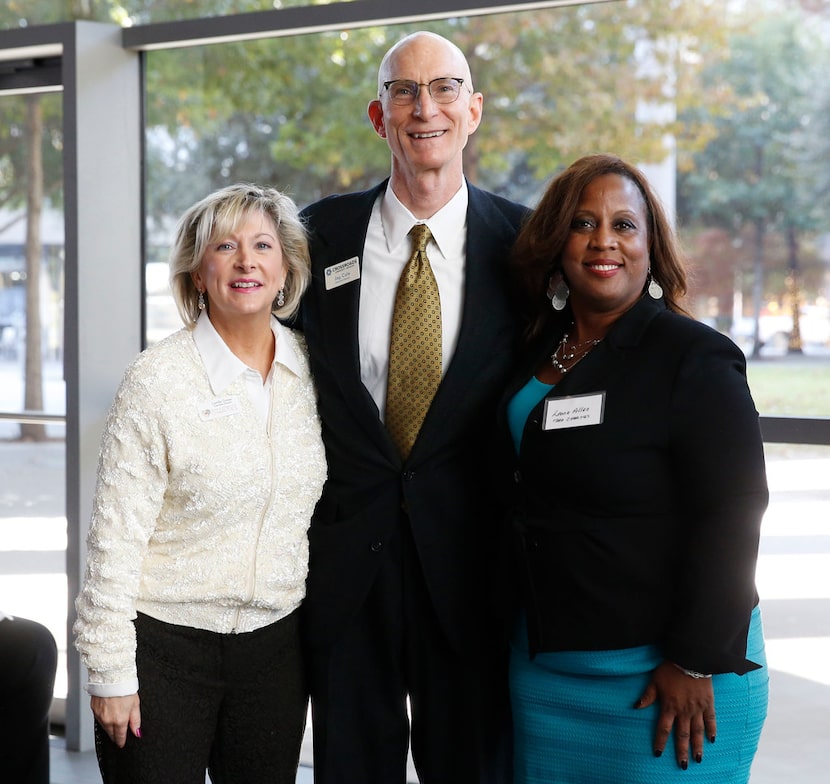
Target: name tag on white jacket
[576, 411]
[219, 407]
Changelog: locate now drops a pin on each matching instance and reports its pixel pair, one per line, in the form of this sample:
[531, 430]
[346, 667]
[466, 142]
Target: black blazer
[644, 529]
[441, 487]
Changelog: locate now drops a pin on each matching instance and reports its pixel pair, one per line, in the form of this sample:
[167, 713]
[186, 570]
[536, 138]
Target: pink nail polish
[138, 732]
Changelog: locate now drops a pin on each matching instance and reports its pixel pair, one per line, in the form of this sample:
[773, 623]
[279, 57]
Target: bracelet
[692, 673]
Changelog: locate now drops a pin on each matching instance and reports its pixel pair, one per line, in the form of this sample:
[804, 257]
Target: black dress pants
[231, 704]
[28, 660]
[395, 656]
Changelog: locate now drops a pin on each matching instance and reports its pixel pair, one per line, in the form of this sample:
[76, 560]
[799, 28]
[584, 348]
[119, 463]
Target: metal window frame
[319, 18]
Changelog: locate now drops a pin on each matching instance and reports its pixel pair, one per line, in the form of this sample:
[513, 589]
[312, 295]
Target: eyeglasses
[404, 92]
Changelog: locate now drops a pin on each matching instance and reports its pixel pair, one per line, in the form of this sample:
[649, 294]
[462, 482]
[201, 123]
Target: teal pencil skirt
[574, 720]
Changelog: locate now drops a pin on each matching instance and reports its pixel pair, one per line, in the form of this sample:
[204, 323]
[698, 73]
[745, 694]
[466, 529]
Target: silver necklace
[564, 359]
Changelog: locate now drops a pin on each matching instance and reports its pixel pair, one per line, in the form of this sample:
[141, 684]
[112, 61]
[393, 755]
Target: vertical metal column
[104, 269]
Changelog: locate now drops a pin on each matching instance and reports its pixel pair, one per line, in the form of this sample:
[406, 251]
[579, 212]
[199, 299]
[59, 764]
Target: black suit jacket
[441, 485]
[644, 529]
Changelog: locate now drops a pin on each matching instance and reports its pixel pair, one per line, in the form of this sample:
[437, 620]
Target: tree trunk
[794, 286]
[757, 287]
[471, 160]
[33, 394]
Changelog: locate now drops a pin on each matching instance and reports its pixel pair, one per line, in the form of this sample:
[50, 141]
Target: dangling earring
[655, 290]
[558, 291]
[281, 298]
[201, 302]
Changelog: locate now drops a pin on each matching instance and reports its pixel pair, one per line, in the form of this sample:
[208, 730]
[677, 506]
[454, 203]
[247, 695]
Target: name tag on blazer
[575, 411]
[342, 272]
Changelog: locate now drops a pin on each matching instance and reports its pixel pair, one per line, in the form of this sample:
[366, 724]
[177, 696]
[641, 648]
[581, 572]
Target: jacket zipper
[266, 508]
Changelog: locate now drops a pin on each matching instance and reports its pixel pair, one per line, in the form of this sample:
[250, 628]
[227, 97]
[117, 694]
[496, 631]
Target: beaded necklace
[564, 359]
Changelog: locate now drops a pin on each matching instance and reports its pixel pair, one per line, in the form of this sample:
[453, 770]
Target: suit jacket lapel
[489, 237]
[488, 234]
[339, 315]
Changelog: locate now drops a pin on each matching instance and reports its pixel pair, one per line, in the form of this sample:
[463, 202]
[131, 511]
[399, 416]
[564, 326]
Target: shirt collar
[444, 224]
[223, 367]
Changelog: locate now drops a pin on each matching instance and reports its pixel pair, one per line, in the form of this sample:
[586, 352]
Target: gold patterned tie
[415, 348]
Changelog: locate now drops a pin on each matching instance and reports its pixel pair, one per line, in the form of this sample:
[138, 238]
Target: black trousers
[393, 656]
[231, 704]
[28, 660]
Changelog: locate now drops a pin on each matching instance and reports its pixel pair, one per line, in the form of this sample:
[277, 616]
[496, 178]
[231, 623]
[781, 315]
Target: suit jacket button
[377, 547]
[409, 475]
[517, 476]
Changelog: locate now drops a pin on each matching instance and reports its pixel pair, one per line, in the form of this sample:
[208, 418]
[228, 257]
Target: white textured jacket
[201, 510]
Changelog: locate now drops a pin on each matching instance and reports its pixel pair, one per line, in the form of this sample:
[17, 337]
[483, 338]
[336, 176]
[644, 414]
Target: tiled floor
[73, 767]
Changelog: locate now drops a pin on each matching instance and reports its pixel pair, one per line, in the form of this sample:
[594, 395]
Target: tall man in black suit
[403, 590]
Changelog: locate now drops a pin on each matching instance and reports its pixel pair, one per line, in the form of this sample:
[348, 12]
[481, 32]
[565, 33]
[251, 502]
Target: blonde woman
[211, 465]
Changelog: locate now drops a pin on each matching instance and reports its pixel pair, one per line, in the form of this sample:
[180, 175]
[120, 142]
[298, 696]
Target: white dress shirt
[385, 254]
[223, 366]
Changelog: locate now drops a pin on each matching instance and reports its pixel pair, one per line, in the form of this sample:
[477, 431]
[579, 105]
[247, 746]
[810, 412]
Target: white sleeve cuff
[123, 689]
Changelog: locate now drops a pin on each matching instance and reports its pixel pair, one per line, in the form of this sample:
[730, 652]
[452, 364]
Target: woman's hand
[116, 715]
[687, 705]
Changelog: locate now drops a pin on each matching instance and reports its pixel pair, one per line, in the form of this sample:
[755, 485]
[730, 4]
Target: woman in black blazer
[637, 489]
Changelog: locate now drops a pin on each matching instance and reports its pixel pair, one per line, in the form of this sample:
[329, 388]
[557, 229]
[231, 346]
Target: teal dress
[573, 715]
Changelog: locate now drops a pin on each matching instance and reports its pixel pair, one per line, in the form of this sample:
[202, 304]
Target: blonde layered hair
[218, 215]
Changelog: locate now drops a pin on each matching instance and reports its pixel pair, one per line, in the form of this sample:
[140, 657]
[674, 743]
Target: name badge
[219, 407]
[343, 272]
[576, 411]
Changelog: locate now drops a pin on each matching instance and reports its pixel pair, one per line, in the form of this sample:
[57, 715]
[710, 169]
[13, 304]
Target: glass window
[32, 393]
[728, 130]
[31, 263]
[792, 581]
